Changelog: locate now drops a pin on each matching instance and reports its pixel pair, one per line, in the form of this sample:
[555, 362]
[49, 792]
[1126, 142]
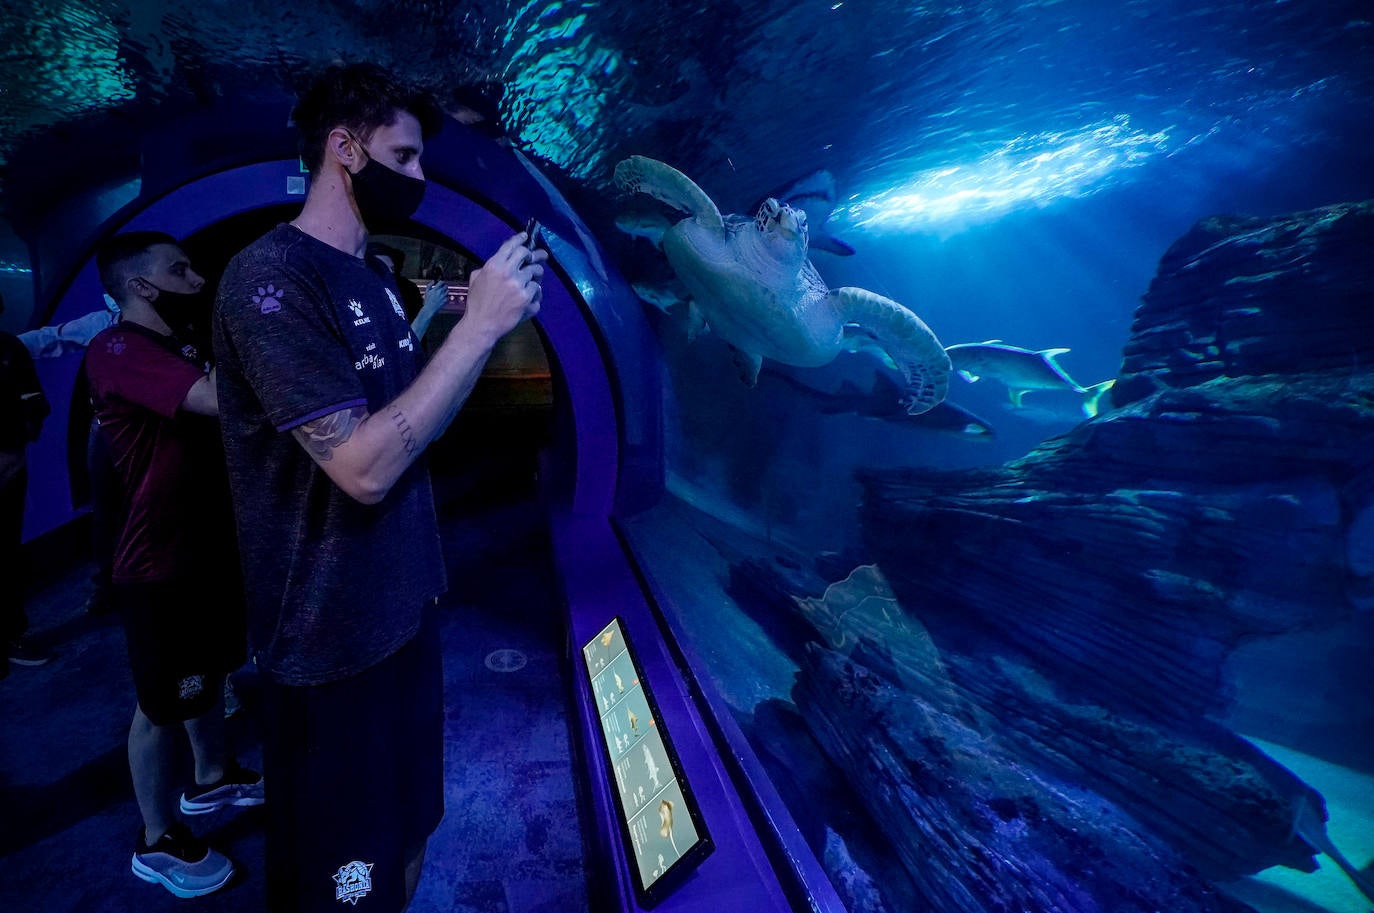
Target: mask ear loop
[359, 143]
[148, 284]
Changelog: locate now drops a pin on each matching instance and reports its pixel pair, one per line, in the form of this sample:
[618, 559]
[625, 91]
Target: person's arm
[364, 454]
[72, 336]
[202, 398]
[434, 300]
[127, 365]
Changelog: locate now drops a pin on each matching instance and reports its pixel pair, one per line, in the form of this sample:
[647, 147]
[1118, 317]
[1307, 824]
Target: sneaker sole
[204, 808]
[152, 877]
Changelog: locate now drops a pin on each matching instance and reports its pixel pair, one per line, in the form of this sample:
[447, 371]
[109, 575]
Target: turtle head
[778, 220]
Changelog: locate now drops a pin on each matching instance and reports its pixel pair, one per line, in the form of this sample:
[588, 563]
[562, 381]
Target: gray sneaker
[181, 863]
[237, 787]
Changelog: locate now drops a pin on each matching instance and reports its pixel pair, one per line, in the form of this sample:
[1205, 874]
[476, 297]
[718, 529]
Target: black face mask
[179, 310]
[384, 195]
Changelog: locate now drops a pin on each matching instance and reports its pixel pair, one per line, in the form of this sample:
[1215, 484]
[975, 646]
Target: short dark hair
[126, 255]
[360, 97]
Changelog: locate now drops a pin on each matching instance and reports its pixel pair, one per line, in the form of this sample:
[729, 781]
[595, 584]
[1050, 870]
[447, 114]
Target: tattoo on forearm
[403, 426]
[322, 435]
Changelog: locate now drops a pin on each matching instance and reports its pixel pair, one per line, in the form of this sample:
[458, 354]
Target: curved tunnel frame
[200, 204]
[599, 338]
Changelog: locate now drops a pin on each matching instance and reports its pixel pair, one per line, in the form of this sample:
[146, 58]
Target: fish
[650, 225]
[665, 818]
[1020, 370]
[1066, 413]
[814, 194]
[651, 766]
[1094, 395]
[1058, 410]
[885, 402]
[950, 418]
[1309, 825]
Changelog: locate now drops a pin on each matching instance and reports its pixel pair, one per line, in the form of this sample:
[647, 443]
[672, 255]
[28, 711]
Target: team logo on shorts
[190, 687]
[353, 882]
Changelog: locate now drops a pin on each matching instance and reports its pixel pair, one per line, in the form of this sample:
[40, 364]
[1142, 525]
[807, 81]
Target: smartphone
[532, 238]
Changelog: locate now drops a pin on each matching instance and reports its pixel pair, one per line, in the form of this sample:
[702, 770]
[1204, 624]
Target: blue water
[1008, 171]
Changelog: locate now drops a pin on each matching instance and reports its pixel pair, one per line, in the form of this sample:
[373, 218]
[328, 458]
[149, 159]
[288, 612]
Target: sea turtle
[749, 280]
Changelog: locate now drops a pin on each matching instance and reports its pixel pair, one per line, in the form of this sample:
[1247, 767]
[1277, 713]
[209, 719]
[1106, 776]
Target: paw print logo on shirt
[116, 345]
[268, 299]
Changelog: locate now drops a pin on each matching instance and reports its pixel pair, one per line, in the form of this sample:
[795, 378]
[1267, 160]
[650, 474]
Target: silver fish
[1020, 370]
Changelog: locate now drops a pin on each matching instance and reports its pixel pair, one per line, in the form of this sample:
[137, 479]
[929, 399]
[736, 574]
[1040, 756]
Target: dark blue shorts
[354, 779]
[182, 641]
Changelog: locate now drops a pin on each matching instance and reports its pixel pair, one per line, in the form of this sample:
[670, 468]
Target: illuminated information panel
[660, 820]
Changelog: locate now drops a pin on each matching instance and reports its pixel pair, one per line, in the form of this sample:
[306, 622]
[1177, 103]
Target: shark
[1019, 370]
[814, 194]
[1309, 825]
[651, 766]
[884, 402]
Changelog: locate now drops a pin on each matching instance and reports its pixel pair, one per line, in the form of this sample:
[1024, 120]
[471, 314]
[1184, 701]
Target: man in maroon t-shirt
[176, 573]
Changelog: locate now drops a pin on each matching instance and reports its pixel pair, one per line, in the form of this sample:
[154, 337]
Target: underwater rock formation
[975, 826]
[1014, 695]
[1246, 297]
[1026, 691]
[1089, 595]
[1126, 558]
[1220, 806]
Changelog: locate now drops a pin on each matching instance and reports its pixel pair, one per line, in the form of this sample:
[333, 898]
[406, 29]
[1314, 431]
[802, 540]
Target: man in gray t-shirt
[326, 410]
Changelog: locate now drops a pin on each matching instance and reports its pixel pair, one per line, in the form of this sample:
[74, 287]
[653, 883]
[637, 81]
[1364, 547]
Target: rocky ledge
[1029, 688]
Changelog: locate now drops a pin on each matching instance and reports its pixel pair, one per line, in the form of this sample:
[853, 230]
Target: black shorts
[182, 642]
[354, 777]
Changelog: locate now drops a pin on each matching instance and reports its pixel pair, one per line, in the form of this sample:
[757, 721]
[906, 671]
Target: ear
[138, 286]
[341, 146]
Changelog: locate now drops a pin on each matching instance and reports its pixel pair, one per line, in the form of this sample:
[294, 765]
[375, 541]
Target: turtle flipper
[748, 364]
[696, 322]
[638, 174]
[872, 321]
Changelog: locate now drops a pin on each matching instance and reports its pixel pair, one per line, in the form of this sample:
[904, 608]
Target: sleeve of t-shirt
[127, 364]
[72, 336]
[284, 336]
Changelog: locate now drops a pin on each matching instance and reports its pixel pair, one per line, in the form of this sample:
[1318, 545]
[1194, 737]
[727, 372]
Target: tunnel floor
[510, 841]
